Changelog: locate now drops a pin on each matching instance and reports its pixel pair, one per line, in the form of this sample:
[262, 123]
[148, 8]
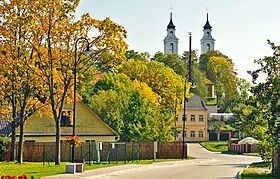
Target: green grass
[37, 170]
[215, 146]
[252, 154]
[258, 170]
[260, 165]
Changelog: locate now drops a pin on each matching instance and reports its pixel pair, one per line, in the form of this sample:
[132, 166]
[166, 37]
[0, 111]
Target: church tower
[171, 41]
[207, 42]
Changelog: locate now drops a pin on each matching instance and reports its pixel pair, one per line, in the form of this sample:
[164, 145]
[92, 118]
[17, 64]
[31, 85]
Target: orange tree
[20, 83]
[267, 102]
[38, 39]
[58, 33]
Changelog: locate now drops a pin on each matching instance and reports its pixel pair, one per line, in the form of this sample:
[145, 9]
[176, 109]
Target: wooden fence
[242, 148]
[39, 151]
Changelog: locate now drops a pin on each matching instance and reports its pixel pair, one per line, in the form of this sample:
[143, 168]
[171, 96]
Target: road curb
[238, 176]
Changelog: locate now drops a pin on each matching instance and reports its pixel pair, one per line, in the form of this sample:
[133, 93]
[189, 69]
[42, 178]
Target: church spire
[171, 41]
[207, 25]
[207, 41]
[171, 25]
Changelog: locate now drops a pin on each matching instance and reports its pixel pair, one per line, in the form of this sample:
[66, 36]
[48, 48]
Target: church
[197, 112]
[171, 41]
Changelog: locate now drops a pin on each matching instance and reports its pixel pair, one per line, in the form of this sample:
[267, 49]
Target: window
[171, 47]
[192, 118]
[200, 118]
[208, 47]
[192, 134]
[207, 34]
[200, 134]
[66, 118]
[171, 33]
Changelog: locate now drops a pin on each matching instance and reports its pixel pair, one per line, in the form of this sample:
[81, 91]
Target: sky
[240, 27]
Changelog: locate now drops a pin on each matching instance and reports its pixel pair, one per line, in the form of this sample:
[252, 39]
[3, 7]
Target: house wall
[195, 126]
[82, 138]
[41, 127]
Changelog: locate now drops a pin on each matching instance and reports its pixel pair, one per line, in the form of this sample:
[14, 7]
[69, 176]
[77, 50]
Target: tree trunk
[20, 144]
[57, 143]
[276, 162]
[13, 142]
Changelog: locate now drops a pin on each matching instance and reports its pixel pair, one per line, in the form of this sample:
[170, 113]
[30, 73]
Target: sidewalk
[97, 172]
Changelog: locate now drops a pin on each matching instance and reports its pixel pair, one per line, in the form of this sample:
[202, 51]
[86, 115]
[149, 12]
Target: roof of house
[5, 127]
[195, 103]
[87, 124]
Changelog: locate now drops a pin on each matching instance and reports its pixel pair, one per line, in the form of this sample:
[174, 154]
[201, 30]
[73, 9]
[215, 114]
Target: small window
[171, 47]
[200, 118]
[208, 47]
[200, 134]
[207, 34]
[192, 118]
[66, 118]
[171, 33]
[192, 134]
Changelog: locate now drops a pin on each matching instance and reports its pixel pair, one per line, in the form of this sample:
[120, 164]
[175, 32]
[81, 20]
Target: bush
[265, 151]
[4, 142]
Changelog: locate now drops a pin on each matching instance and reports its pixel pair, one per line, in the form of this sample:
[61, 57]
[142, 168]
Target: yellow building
[89, 127]
[196, 121]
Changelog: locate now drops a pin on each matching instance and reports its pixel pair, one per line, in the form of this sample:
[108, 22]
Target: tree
[204, 58]
[197, 75]
[163, 80]
[267, 102]
[20, 82]
[129, 107]
[56, 31]
[131, 54]
[172, 61]
[221, 72]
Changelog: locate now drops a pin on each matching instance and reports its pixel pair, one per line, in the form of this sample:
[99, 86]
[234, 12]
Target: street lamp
[185, 99]
[75, 88]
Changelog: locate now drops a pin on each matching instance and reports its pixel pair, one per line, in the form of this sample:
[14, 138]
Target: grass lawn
[216, 146]
[258, 170]
[37, 170]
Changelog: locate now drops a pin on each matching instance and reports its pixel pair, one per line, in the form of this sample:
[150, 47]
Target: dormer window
[66, 118]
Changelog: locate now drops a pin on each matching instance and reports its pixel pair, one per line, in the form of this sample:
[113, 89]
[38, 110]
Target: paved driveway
[206, 165]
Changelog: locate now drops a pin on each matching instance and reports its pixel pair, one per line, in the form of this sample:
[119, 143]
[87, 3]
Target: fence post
[44, 154]
[155, 150]
[89, 162]
[132, 152]
[124, 152]
[116, 156]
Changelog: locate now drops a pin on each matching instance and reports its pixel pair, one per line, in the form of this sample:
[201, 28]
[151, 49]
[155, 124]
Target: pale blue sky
[240, 27]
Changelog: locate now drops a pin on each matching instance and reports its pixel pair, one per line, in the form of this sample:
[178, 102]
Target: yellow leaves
[147, 92]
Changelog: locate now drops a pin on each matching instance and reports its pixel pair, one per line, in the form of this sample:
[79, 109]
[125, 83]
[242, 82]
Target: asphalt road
[206, 165]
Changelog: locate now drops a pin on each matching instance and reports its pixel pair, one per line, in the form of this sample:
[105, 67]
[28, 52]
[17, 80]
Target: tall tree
[267, 101]
[20, 83]
[59, 34]
[197, 75]
[221, 72]
[163, 80]
[172, 61]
